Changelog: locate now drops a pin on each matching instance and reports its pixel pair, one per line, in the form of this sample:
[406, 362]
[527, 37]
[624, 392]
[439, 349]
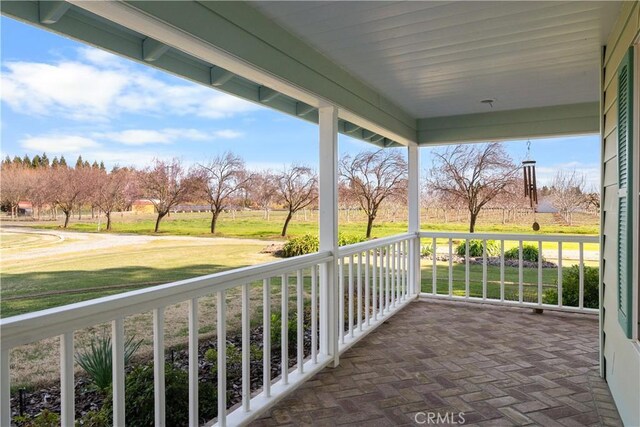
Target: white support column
[414, 217]
[328, 213]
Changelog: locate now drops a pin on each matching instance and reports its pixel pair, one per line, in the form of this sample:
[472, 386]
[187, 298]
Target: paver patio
[497, 365]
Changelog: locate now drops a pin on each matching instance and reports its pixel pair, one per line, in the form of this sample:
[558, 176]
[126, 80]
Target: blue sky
[66, 98]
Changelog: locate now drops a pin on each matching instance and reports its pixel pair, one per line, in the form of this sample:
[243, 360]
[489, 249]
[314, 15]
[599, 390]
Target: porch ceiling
[442, 58]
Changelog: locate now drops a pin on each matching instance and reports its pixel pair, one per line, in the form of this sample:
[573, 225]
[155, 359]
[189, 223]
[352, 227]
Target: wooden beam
[220, 76]
[52, 11]
[152, 49]
[266, 94]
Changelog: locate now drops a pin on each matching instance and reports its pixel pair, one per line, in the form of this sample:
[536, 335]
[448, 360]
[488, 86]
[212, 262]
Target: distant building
[143, 206]
[25, 208]
[545, 206]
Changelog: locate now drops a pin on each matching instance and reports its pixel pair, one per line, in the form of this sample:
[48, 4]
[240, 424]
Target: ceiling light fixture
[489, 101]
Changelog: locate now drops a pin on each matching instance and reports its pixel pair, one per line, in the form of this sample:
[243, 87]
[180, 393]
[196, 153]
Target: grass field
[251, 224]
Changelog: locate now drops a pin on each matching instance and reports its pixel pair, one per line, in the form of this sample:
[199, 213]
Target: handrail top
[577, 238]
[372, 244]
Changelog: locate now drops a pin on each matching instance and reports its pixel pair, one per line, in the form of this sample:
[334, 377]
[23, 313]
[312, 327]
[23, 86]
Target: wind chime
[530, 186]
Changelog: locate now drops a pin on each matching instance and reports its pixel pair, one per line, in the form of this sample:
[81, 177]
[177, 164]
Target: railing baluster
[350, 296]
[381, 300]
[559, 274]
[387, 278]
[374, 271]
[367, 286]
[341, 298]
[284, 329]
[300, 318]
[117, 340]
[158, 366]
[484, 269]
[520, 273]
[435, 268]
[359, 300]
[581, 283]
[450, 267]
[246, 346]
[392, 249]
[405, 269]
[400, 271]
[539, 272]
[222, 357]
[5, 387]
[314, 313]
[466, 268]
[67, 385]
[193, 363]
[266, 337]
[501, 270]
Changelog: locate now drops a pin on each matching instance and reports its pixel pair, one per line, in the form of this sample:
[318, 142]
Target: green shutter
[625, 199]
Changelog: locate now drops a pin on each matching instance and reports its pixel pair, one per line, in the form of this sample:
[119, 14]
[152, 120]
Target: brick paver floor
[499, 366]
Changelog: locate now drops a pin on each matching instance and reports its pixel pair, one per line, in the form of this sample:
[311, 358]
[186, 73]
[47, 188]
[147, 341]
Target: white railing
[373, 282]
[528, 285]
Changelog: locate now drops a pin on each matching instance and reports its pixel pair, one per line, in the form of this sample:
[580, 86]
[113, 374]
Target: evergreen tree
[102, 168]
[79, 162]
[17, 160]
[26, 161]
[86, 164]
[36, 162]
[55, 163]
[63, 162]
[94, 165]
[44, 160]
[7, 161]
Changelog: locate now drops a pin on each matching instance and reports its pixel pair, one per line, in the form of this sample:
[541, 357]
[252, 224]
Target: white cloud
[591, 172]
[150, 136]
[58, 143]
[101, 86]
[228, 134]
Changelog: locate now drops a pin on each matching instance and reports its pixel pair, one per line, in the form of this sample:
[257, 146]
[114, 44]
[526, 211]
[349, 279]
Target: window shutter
[625, 193]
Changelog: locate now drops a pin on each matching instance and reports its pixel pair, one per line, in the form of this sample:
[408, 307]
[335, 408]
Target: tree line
[368, 179]
[471, 176]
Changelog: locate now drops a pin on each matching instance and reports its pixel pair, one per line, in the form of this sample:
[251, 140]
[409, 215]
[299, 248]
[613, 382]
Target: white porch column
[413, 196]
[328, 212]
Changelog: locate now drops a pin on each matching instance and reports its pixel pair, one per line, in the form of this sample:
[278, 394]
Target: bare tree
[472, 174]
[263, 190]
[167, 184]
[373, 176]
[68, 187]
[567, 193]
[296, 188]
[14, 186]
[113, 191]
[223, 177]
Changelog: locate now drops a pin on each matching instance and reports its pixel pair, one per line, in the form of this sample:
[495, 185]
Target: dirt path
[81, 242]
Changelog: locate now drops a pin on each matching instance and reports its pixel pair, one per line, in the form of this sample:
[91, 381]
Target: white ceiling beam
[220, 76]
[152, 49]
[266, 95]
[52, 11]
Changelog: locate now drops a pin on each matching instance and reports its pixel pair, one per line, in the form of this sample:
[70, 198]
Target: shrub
[571, 288]
[308, 244]
[276, 331]
[300, 245]
[139, 405]
[94, 419]
[349, 239]
[234, 358]
[529, 253]
[46, 418]
[96, 360]
[426, 250]
[475, 248]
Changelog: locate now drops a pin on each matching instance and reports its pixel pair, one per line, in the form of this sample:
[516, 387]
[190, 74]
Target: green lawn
[250, 224]
[44, 282]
